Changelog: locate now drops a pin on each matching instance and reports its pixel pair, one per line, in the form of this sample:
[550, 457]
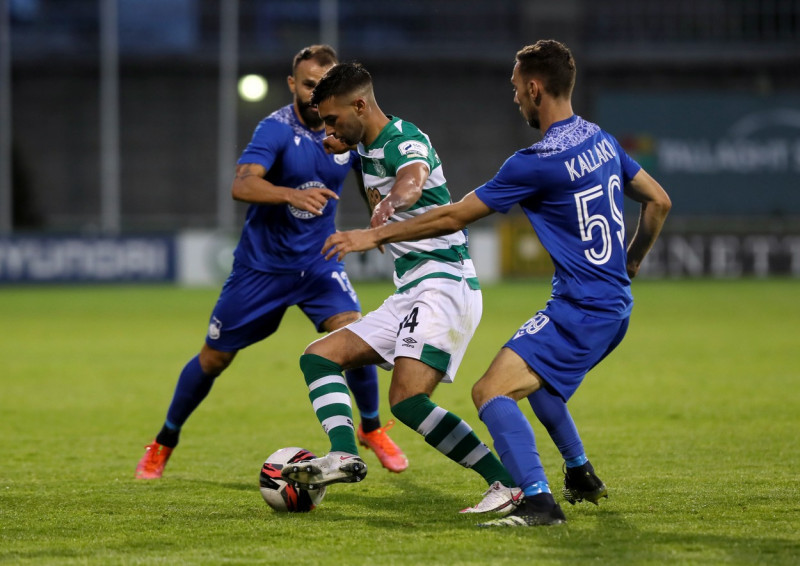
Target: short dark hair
[323, 54]
[553, 62]
[340, 79]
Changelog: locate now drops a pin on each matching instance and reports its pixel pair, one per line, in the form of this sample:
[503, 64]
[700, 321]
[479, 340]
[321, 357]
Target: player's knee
[214, 362]
[398, 396]
[405, 408]
[316, 348]
[482, 392]
[332, 347]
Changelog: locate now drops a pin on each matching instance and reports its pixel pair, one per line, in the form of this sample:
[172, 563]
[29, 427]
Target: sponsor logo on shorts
[302, 214]
[533, 326]
[409, 342]
[215, 328]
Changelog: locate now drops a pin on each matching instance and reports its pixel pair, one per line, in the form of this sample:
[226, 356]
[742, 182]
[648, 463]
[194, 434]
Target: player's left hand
[340, 244]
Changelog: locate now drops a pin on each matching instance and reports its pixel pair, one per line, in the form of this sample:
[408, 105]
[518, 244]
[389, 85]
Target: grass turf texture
[692, 423]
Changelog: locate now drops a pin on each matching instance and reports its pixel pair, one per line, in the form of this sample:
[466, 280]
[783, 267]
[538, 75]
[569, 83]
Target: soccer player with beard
[292, 185]
[570, 185]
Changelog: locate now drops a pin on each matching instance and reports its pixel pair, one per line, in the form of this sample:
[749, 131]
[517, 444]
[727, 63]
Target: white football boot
[497, 499]
[335, 467]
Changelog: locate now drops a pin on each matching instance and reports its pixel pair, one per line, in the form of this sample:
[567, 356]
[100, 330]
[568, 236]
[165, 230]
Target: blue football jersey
[281, 238]
[570, 186]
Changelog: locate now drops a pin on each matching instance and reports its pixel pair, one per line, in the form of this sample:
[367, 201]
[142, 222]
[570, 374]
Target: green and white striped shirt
[399, 144]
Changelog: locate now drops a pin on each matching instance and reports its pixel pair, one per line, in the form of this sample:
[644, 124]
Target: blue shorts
[562, 343]
[252, 303]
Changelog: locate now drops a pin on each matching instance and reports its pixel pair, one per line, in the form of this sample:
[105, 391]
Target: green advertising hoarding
[716, 153]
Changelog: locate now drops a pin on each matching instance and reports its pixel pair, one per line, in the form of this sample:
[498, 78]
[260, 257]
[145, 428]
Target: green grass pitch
[693, 423]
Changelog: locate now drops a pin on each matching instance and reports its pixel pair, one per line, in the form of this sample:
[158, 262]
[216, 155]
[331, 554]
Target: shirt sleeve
[513, 183]
[629, 165]
[269, 140]
[400, 152]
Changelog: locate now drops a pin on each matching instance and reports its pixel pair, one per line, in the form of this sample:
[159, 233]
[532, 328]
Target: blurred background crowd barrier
[121, 122]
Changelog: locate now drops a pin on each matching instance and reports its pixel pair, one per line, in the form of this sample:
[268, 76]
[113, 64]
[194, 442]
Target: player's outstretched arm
[405, 192]
[655, 207]
[436, 222]
[249, 185]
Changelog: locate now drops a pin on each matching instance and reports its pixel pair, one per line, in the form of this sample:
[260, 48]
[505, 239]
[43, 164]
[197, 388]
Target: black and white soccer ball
[280, 495]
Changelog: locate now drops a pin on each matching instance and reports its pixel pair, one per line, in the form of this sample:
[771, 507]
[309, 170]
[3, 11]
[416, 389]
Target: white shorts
[432, 322]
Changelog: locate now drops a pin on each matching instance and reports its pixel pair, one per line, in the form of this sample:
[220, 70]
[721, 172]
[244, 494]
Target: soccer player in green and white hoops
[422, 330]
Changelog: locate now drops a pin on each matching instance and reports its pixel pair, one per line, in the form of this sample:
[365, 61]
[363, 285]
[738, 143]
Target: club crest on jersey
[342, 158]
[533, 326]
[413, 148]
[302, 214]
[380, 170]
[215, 328]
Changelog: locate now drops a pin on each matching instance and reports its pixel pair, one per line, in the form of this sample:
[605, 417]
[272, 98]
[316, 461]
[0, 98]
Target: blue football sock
[576, 462]
[514, 440]
[536, 489]
[363, 383]
[552, 412]
[193, 386]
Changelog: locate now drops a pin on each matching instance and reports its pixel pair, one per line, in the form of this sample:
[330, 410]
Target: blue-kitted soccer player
[570, 185]
[292, 186]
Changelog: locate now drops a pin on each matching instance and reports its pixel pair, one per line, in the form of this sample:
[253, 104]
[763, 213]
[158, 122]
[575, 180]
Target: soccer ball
[280, 495]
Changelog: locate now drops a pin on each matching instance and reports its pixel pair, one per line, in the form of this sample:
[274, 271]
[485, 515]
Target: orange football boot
[152, 464]
[389, 453]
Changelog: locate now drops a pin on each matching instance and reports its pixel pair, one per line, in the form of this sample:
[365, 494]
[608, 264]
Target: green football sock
[331, 401]
[451, 436]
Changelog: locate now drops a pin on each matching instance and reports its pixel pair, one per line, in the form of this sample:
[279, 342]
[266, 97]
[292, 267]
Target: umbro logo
[409, 342]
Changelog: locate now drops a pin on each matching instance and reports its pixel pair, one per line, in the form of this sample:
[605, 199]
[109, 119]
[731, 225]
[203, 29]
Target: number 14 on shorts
[410, 321]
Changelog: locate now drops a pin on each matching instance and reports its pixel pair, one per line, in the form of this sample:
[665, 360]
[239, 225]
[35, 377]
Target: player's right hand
[340, 244]
[311, 200]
